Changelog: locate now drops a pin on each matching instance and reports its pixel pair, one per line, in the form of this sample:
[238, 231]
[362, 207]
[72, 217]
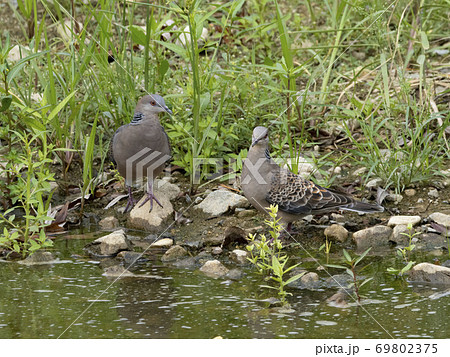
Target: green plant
[31, 193]
[351, 270]
[268, 257]
[326, 247]
[405, 253]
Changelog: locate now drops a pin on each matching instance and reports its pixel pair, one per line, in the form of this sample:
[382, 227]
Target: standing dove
[265, 183]
[141, 147]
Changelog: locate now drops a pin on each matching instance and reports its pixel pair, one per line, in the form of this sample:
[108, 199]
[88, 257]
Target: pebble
[393, 197]
[109, 222]
[374, 183]
[410, 192]
[336, 232]
[246, 213]
[403, 220]
[430, 273]
[338, 217]
[374, 236]
[433, 193]
[398, 234]
[162, 243]
[359, 172]
[174, 253]
[220, 201]
[239, 256]
[214, 269]
[440, 218]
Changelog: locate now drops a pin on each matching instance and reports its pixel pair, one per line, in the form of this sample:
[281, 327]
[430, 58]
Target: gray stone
[398, 234]
[130, 258]
[216, 251]
[143, 218]
[374, 183]
[339, 299]
[336, 232]
[220, 201]
[374, 236]
[430, 273]
[214, 269]
[239, 256]
[174, 253]
[403, 220]
[38, 258]
[162, 243]
[433, 193]
[234, 274]
[117, 271]
[186, 263]
[410, 192]
[246, 213]
[440, 218]
[393, 197]
[337, 217]
[109, 222]
[309, 278]
[109, 245]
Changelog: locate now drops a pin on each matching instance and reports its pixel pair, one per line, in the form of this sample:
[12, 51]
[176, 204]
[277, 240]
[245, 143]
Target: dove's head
[152, 103]
[260, 136]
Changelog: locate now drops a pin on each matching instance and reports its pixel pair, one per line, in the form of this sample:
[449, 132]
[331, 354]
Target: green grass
[374, 64]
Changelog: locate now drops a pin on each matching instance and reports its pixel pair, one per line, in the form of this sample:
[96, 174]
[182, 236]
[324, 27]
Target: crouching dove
[265, 183]
[141, 147]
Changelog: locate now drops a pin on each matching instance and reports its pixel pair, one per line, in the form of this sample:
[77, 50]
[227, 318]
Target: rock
[214, 269]
[430, 273]
[187, 263]
[433, 193]
[374, 236]
[446, 263]
[339, 299]
[118, 271]
[109, 245]
[38, 258]
[216, 251]
[246, 213]
[374, 183]
[339, 280]
[174, 253]
[337, 217]
[359, 172]
[403, 220]
[323, 220]
[131, 258]
[220, 201]
[309, 278]
[396, 198]
[234, 274]
[398, 234]
[162, 243]
[143, 218]
[433, 241]
[213, 240]
[109, 222]
[336, 232]
[410, 192]
[234, 235]
[440, 218]
[239, 256]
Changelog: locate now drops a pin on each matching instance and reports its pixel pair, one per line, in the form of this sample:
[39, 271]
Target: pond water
[72, 299]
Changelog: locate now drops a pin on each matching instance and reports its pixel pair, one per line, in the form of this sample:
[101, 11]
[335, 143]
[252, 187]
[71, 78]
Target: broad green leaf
[138, 35]
[424, 40]
[61, 105]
